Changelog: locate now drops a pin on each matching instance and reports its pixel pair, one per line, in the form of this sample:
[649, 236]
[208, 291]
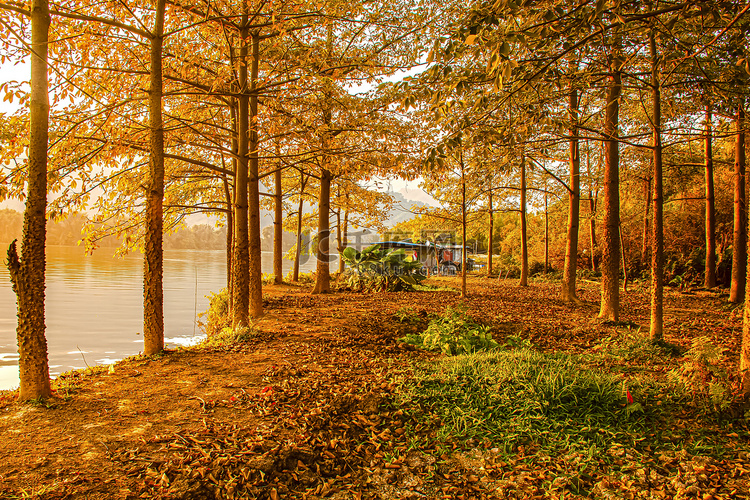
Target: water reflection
[94, 306]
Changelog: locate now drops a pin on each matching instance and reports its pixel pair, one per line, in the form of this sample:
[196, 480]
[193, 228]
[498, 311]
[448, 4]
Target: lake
[94, 305]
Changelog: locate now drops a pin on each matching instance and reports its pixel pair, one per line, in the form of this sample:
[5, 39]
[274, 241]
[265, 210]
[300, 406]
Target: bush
[217, 315]
[703, 376]
[229, 336]
[455, 332]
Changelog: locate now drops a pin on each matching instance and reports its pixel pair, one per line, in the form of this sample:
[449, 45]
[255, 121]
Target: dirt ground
[303, 410]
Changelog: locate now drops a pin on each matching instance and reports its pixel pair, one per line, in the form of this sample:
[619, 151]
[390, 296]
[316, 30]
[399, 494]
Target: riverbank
[314, 405]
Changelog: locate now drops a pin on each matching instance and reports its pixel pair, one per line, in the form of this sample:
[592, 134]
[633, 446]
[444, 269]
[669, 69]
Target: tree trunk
[610, 299]
[648, 195]
[323, 277]
[546, 234]
[27, 274]
[323, 270]
[341, 234]
[657, 236]
[230, 227]
[489, 239]
[592, 230]
[574, 195]
[298, 250]
[710, 274]
[278, 232]
[463, 227]
[524, 244]
[153, 291]
[241, 253]
[255, 287]
[739, 244]
[745, 349]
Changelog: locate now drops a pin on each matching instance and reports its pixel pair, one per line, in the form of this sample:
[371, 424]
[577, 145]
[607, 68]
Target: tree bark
[524, 244]
[710, 274]
[255, 287]
[298, 250]
[323, 277]
[648, 195]
[278, 232]
[574, 196]
[463, 227]
[241, 253]
[491, 236]
[592, 231]
[230, 228]
[739, 244]
[657, 236]
[153, 271]
[546, 233]
[27, 274]
[341, 233]
[610, 299]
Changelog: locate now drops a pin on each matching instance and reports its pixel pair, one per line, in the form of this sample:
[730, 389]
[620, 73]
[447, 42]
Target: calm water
[94, 309]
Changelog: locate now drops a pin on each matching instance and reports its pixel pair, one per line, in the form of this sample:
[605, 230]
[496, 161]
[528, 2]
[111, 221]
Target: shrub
[703, 376]
[455, 332]
[217, 315]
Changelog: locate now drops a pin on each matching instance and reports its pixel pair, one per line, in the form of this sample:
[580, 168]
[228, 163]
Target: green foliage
[230, 336]
[453, 333]
[377, 269]
[702, 375]
[217, 316]
[523, 397]
[631, 345]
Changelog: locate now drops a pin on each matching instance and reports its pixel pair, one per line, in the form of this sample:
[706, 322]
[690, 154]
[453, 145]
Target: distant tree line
[68, 232]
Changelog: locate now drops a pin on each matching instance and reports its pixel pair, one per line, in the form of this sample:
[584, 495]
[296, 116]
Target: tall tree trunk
[241, 252]
[610, 299]
[648, 195]
[323, 270]
[27, 274]
[255, 287]
[323, 277]
[574, 196]
[710, 274]
[463, 226]
[739, 244]
[298, 250]
[153, 291]
[342, 234]
[278, 232]
[592, 230]
[546, 234]
[524, 243]
[657, 236]
[230, 228]
[491, 236]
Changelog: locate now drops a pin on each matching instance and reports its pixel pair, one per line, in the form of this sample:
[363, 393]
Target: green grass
[524, 397]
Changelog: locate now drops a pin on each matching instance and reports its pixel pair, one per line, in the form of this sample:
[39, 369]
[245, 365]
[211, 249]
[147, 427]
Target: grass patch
[524, 398]
[230, 336]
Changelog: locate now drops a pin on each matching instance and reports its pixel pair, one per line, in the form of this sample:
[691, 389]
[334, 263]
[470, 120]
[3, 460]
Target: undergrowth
[525, 398]
[454, 332]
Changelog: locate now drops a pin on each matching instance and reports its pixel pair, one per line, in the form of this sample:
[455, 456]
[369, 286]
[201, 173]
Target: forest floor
[313, 407]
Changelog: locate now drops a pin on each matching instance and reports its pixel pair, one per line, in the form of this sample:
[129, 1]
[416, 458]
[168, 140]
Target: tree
[739, 243]
[27, 272]
[153, 290]
[657, 236]
[610, 298]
